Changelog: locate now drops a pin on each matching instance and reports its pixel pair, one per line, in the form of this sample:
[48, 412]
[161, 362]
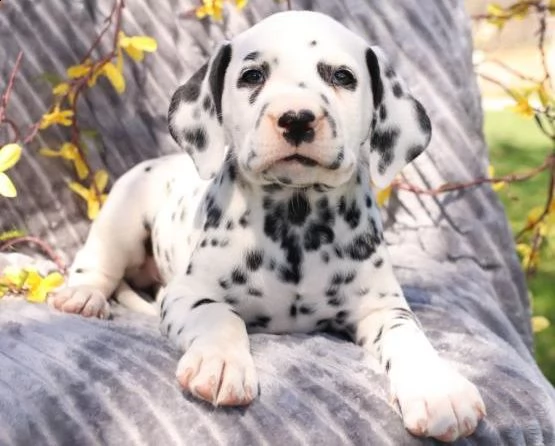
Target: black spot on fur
[200, 302]
[336, 301]
[196, 136]
[313, 43]
[325, 256]
[413, 152]
[224, 284]
[389, 72]
[376, 82]
[298, 209]
[259, 119]
[231, 300]
[378, 262]
[422, 117]
[254, 259]
[362, 341]
[254, 292]
[383, 112]
[79, 271]
[317, 234]
[217, 76]
[362, 246]
[352, 215]
[302, 85]
[260, 322]
[303, 309]
[368, 201]
[341, 317]
[148, 168]
[229, 225]
[208, 105]
[189, 269]
[397, 90]
[293, 310]
[214, 242]
[349, 276]
[338, 251]
[379, 335]
[244, 219]
[254, 95]
[387, 365]
[190, 91]
[324, 98]
[325, 71]
[384, 142]
[252, 56]
[238, 276]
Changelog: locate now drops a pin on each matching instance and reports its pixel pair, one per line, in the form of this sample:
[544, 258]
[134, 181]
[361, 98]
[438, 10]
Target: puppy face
[299, 99]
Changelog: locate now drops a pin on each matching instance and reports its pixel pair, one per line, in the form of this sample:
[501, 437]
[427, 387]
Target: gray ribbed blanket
[68, 380]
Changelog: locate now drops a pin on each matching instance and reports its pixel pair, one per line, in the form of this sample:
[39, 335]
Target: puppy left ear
[400, 128]
[195, 115]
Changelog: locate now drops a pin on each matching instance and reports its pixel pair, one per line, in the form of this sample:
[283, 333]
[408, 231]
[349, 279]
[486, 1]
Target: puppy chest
[286, 264]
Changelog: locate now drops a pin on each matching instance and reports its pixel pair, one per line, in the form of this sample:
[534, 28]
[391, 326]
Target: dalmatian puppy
[268, 222]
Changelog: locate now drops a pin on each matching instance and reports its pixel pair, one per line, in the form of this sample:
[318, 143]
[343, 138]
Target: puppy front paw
[437, 401]
[83, 299]
[223, 375]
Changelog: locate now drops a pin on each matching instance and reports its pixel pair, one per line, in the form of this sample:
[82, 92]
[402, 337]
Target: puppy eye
[343, 77]
[252, 76]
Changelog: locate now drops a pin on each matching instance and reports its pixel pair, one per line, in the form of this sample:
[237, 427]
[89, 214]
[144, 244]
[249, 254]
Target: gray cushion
[69, 380]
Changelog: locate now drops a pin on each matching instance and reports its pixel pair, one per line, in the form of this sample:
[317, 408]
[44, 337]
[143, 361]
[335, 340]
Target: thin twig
[45, 247]
[512, 70]
[449, 187]
[546, 210]
[6, 95]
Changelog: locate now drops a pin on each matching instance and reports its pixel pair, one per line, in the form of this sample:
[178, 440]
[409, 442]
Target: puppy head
[299, 99]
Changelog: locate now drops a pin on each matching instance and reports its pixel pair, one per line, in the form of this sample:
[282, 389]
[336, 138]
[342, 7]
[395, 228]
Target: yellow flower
[211, 8]
[61, 89]
[529, 257]
[8, 235]
[81, 70]
[240, 4]
[94, 195]
[69, 152]
[523, 107]
[114, 75]
[498, 185]
[9, 155]
[383, 195]
[136, 46]
[29, 282]
[57, 116]
[539, 323]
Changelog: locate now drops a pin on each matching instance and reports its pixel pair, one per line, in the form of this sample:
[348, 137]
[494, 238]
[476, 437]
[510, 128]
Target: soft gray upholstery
[69, 380]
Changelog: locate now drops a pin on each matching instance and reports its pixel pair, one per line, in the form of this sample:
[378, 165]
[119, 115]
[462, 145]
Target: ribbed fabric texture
[68, 380]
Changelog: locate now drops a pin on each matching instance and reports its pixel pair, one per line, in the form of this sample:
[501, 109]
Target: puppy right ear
[195, 115]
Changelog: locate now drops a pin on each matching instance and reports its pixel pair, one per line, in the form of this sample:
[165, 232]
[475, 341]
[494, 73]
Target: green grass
[516, 144]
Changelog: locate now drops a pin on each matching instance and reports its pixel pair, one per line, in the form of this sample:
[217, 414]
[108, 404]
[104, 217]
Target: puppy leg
[114, 243]
[217, 365]
[435, 400]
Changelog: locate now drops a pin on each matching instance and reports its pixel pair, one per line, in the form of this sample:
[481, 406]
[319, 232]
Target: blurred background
[504, 48]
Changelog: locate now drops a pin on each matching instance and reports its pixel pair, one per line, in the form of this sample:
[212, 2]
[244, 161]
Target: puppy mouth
[305, 161]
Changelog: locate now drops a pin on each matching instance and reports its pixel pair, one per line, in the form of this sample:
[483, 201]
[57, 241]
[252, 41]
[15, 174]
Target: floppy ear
[400, 129]
[195, 115]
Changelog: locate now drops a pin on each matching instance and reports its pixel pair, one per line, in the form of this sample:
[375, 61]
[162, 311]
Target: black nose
[297, 126]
